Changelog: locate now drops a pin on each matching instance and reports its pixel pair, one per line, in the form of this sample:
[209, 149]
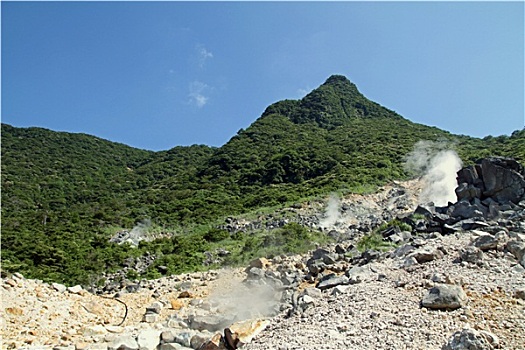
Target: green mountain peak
[334, 103]
[341, 81]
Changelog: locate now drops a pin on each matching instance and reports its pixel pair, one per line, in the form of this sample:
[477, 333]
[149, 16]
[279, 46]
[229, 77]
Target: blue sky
[155, 75]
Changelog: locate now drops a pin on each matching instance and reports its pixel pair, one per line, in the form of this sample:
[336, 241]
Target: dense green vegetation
[64, 194]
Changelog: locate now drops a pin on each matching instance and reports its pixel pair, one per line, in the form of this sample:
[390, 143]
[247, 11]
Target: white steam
[332, 213]
[242, 301]
[139, 232]
[438, 167]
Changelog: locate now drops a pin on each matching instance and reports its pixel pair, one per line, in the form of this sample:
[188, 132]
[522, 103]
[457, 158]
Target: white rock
[148, 339]
[127, 342]
[59, 287]
[75, 289]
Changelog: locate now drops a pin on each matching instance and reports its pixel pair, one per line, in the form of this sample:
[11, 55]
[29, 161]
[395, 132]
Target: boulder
[150, 317]
[148, 339]
[331, 281]
[426, 254]
[75, 289]
[503, 179]
[315, 266]
[305, 301]
[467, 192]
[260, 263]
[337, 290]
[199, 340]
[471, 254]
[361, 273]
[156, 307]
[167, 336]
[59, 287]
[215, 343]
[125, 342]
[247, 330]
[330, 258]
[469, 175]
[184, 338]
[464, 210]
[486, 242]
[255, 273]
[445, 297]
[319, 253]
[517, 248]
[427, 209]
[470, 339]
[210, 322]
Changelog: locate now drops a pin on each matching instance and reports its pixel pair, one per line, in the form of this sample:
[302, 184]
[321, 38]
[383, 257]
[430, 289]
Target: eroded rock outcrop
[500, 180]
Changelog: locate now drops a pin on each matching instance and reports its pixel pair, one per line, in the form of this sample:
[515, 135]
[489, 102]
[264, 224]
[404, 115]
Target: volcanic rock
[470, 339]
[331, 281]
[448, 297]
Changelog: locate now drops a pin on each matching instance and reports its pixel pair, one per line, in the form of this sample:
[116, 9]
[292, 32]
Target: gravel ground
[386, 313]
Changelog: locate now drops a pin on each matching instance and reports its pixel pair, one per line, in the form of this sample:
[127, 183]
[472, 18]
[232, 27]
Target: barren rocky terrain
[457, 281]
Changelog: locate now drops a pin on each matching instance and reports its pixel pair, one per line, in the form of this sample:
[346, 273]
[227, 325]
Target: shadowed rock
[446, 297]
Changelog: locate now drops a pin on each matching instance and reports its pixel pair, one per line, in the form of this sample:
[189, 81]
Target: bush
[216, 235]
[373, 241]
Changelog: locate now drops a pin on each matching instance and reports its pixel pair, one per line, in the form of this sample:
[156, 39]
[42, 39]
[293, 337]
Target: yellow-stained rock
[261, 263]
[176, 304]
[15, 311]
[247, 330]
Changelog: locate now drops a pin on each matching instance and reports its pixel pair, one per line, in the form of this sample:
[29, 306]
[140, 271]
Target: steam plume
[139, 232]
[243, 301]
[332, 213]
[438, 167]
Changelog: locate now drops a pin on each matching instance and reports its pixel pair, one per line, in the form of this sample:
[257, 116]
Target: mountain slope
[334, 136]
[63, 194]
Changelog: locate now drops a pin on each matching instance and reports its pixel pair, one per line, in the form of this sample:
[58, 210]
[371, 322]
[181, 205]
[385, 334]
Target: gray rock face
[471, 254]
[491, 189]
[470, 339]
[464, 191]
[332, 282]
[211, 323]
[424, 255]
[517, 248]
[465, 210]
[485, 242]
[503, 179]
[446, 297]
[361, 273]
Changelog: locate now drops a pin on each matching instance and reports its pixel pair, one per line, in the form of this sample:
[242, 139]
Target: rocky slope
[455, 281]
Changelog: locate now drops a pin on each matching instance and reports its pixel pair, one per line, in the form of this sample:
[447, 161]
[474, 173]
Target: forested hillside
[64, 195]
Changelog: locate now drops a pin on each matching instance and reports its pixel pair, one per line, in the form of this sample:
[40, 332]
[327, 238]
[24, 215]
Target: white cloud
[303, 92]
[203, 55]
[196, 94]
